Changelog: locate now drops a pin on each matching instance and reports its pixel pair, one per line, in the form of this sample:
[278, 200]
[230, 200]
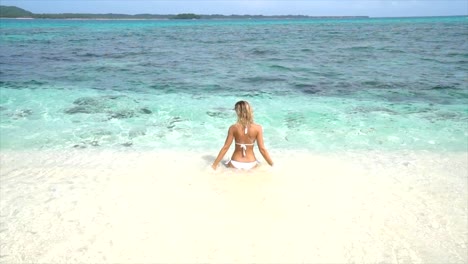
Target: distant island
[16, 12]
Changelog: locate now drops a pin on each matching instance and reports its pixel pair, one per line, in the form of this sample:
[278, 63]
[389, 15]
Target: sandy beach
[88, 206]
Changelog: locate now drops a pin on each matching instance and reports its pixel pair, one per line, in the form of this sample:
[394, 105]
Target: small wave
[8, 84]
[218, 114]
[307, 88]
[378, 84]
[260, 52]
[371, 109]
[125, 55]
[90, 55]
[261, 79]
[31, 84]
[392, 50]
[360, 48]
[214, 41]
[457, 54]
[79, 40]
[57, 58]
[443, 87]
[34, 82]
[279, 67]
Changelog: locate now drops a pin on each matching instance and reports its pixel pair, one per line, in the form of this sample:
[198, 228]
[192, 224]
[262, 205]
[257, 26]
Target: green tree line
[16, 12]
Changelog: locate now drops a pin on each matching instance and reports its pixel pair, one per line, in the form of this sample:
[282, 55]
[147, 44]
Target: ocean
[315, 84]
[108, 129]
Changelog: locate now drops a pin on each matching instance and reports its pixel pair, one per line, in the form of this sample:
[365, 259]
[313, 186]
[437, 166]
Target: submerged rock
[87, 101]
[112, 97]
[81, 146]
[294, 120]
[87, 105]
[217, 114]
[173, 121]
[85, 144]
[127, 144]
[307, 88]
[115, 106]
[145, 110]
[122, 114]
[80, 109]
[22, 113]
[136, 132]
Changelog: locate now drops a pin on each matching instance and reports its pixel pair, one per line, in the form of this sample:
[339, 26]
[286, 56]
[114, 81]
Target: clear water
[320, 85]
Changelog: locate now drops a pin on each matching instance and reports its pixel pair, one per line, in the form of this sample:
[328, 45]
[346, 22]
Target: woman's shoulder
[253, 126]
[256, 126]
[234, 127]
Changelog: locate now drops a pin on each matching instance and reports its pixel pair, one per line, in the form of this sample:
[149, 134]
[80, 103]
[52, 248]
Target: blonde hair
[244, 113]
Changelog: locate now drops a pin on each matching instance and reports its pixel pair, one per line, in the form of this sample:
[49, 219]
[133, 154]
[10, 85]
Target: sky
[372, 8]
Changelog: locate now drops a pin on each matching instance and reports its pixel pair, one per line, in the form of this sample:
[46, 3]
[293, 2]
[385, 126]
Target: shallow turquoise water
[321, 85]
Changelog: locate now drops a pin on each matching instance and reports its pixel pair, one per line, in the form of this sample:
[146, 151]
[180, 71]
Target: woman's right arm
[225, 148]
[261, 147]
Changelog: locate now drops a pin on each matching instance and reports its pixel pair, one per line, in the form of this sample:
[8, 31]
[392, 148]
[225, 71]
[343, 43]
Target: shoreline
[201, 158]
[169, 206]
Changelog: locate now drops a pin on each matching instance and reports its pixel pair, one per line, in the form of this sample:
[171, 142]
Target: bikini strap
[244, 148]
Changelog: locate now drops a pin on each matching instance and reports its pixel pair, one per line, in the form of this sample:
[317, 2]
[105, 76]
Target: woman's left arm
[225, 148]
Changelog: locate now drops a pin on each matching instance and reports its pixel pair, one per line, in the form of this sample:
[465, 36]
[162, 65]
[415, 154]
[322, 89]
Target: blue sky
[373, 8]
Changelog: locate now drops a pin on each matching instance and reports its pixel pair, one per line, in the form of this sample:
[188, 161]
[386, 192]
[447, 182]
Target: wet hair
[244, 113]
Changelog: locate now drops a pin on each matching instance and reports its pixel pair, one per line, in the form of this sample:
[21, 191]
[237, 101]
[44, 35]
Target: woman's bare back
[244, 142]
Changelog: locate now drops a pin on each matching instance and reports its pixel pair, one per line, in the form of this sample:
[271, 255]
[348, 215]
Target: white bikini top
[244, 145]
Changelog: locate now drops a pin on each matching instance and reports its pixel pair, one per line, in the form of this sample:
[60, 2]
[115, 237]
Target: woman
[245, 133]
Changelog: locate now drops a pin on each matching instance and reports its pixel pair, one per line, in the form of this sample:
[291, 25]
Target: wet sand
[170, 207]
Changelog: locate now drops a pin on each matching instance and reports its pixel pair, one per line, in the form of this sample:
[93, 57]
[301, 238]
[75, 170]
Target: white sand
[167, 207]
